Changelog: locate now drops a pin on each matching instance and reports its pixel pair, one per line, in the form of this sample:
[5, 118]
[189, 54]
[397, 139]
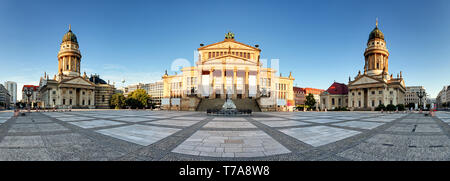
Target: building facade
[336, 96]
[5, 98]
[12, 89]
[375, 86]
[228, 69]
[299, 96]
[412, 97]
[443, 97]
[155, 91]
[315, 92]
[34, 97]
[70, 89]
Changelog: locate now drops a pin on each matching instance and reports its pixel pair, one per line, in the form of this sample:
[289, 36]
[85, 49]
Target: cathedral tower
[69, 56]
[376, 54]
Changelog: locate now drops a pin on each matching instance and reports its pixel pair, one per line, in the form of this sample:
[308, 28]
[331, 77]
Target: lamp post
[420, 94]
[29, 92]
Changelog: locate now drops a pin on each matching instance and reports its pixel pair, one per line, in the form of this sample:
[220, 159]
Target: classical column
[234, 83]
[223, 93]
[246, 83]
[211, 83]
[257, 82]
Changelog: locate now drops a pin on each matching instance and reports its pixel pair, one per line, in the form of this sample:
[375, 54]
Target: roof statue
[229, 35]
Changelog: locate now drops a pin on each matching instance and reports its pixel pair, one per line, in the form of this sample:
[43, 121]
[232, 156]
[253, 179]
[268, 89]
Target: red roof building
[338, 88]
[35, 87]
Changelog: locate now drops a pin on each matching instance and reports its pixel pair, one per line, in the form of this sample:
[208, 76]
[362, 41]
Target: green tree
[132, 102]
[117, 101]
[141, 97]
[310, 101]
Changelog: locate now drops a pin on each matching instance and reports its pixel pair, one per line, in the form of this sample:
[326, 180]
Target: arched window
[209, 54]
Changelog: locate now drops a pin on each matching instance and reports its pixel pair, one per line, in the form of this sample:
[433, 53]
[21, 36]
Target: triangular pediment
[365, 80]
[226, 44]
[78, 81]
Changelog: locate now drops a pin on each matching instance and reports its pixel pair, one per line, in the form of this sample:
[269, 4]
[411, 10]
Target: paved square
[231, 144]
[133, 119]
[322, 120]
[224, 124]
[179, 135]
[183, 123]
[359, 124]
[379, 119]
[229, 119]
[78, 118]
[319, 135]
[21, 141]
[95, 123]
[284, 123]
[139, 134]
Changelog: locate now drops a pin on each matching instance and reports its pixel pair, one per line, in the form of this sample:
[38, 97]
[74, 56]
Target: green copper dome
[376, 33]
[70, 36]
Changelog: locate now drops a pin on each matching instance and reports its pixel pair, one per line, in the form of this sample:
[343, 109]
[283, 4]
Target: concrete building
[68, 88]
[336, 96]
[5, 98]
[299, 96]
[375, 86]
[228, 69]
[443, 98]
[155, 91]
[130, 88]
[411, 95]
[12, 89]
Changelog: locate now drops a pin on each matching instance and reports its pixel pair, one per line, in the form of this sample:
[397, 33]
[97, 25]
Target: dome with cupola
[376, 33]
[70, 36]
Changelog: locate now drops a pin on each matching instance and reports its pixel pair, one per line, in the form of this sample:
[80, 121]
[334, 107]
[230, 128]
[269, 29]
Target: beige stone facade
[69, 89]
[229, 69]
[375, 86]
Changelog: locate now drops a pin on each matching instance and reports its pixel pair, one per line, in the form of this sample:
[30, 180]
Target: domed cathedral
[228, 70]
[70, 89]
[69, 56]
[375, 86]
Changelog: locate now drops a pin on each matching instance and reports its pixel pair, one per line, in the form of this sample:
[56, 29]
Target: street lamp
[28, 93]
[420, 94]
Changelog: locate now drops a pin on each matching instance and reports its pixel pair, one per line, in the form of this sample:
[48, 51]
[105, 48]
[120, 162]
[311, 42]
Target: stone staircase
[210, 104]
[247, 104]
[218, 103]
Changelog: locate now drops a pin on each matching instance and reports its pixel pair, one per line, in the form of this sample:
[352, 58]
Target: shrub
[391, 107]
[380, 107]
[401, 107]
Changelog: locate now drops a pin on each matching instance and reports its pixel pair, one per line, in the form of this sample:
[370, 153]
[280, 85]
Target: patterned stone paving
[319, 135]
[231, 144]
[162, 135]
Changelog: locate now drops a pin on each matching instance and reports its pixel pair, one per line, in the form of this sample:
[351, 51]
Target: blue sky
[319, 41]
